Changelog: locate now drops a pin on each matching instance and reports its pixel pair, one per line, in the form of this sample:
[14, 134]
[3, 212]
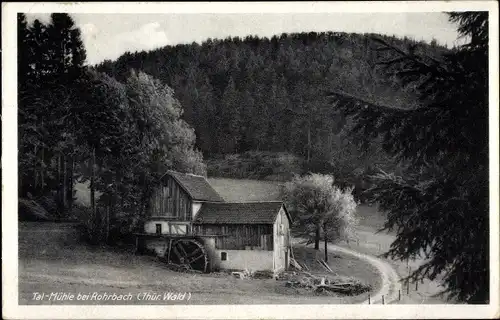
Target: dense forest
[260, 94]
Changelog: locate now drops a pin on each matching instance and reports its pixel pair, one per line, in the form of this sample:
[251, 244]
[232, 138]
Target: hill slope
[271, 94]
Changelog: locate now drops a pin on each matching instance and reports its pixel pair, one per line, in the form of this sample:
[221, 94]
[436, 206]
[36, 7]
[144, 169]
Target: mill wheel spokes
[190, 254]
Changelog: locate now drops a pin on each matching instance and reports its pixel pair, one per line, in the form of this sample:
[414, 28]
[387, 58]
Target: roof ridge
[198, 188]
[253, 212]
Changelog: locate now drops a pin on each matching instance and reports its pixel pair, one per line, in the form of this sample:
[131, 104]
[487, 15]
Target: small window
[158, 228]
[281, 231]
[223, 256]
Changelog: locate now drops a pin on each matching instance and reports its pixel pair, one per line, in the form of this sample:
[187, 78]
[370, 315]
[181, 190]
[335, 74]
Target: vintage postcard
[272, 160]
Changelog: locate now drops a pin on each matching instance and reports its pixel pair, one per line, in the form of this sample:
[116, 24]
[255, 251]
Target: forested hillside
[260, 94]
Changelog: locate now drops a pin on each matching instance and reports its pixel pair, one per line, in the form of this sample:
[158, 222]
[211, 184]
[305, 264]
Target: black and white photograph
[250, 160]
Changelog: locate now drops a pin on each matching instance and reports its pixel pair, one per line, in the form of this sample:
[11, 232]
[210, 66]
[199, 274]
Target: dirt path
[390, 287]
[390, 278]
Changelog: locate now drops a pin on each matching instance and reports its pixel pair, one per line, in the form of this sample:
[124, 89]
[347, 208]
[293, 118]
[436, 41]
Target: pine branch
[362, 102]
[404, 54]
[436, 68]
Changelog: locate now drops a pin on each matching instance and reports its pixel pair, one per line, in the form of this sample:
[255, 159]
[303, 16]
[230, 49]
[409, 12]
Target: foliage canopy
[320, 209]
[77, 125]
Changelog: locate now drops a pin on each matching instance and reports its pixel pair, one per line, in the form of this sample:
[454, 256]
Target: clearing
[52, 259]
[72, 267]
[370, 242]
[246, 190]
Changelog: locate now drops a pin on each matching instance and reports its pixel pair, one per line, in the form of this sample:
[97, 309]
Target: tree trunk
[114, 203]
[71, 174]
[330, 144]
[69, 192]
[64, 183]
[92, 185]
[60, 196]
[107, 223]
[309, 143]
[35, 170]
[326, 242]
[144, 201]
[42, 170]
[58, 177]
[316, 239]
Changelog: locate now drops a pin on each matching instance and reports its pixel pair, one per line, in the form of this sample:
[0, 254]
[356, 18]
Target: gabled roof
[239, 213]
[196, 186]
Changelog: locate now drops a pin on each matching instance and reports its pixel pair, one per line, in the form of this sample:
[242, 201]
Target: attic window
[223, 256]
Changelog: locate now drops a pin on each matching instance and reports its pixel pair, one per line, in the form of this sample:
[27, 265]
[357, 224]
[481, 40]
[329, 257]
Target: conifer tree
[23, 50]
[439, 205]
[52, 58]
[230, 119]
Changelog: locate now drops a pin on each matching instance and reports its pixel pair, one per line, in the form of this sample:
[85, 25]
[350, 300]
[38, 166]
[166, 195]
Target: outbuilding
[188, 219]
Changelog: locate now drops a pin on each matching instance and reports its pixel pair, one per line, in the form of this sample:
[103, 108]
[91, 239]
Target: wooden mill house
[190, 224]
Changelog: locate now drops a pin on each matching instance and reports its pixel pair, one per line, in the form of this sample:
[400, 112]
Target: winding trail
[390, 278]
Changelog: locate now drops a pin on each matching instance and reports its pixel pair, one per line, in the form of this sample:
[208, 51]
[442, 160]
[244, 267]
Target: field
[246, 190]
[52, 259]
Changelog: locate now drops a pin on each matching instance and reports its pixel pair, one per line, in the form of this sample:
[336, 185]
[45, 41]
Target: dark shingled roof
[196, 186]
[238, 213]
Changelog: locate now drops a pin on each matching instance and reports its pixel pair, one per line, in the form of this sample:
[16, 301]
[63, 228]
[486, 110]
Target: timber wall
[238, 236]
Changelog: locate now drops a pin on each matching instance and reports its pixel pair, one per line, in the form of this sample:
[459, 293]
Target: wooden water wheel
[190, 254]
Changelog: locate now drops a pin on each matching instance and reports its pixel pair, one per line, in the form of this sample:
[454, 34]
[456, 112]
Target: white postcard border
[12, 310]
